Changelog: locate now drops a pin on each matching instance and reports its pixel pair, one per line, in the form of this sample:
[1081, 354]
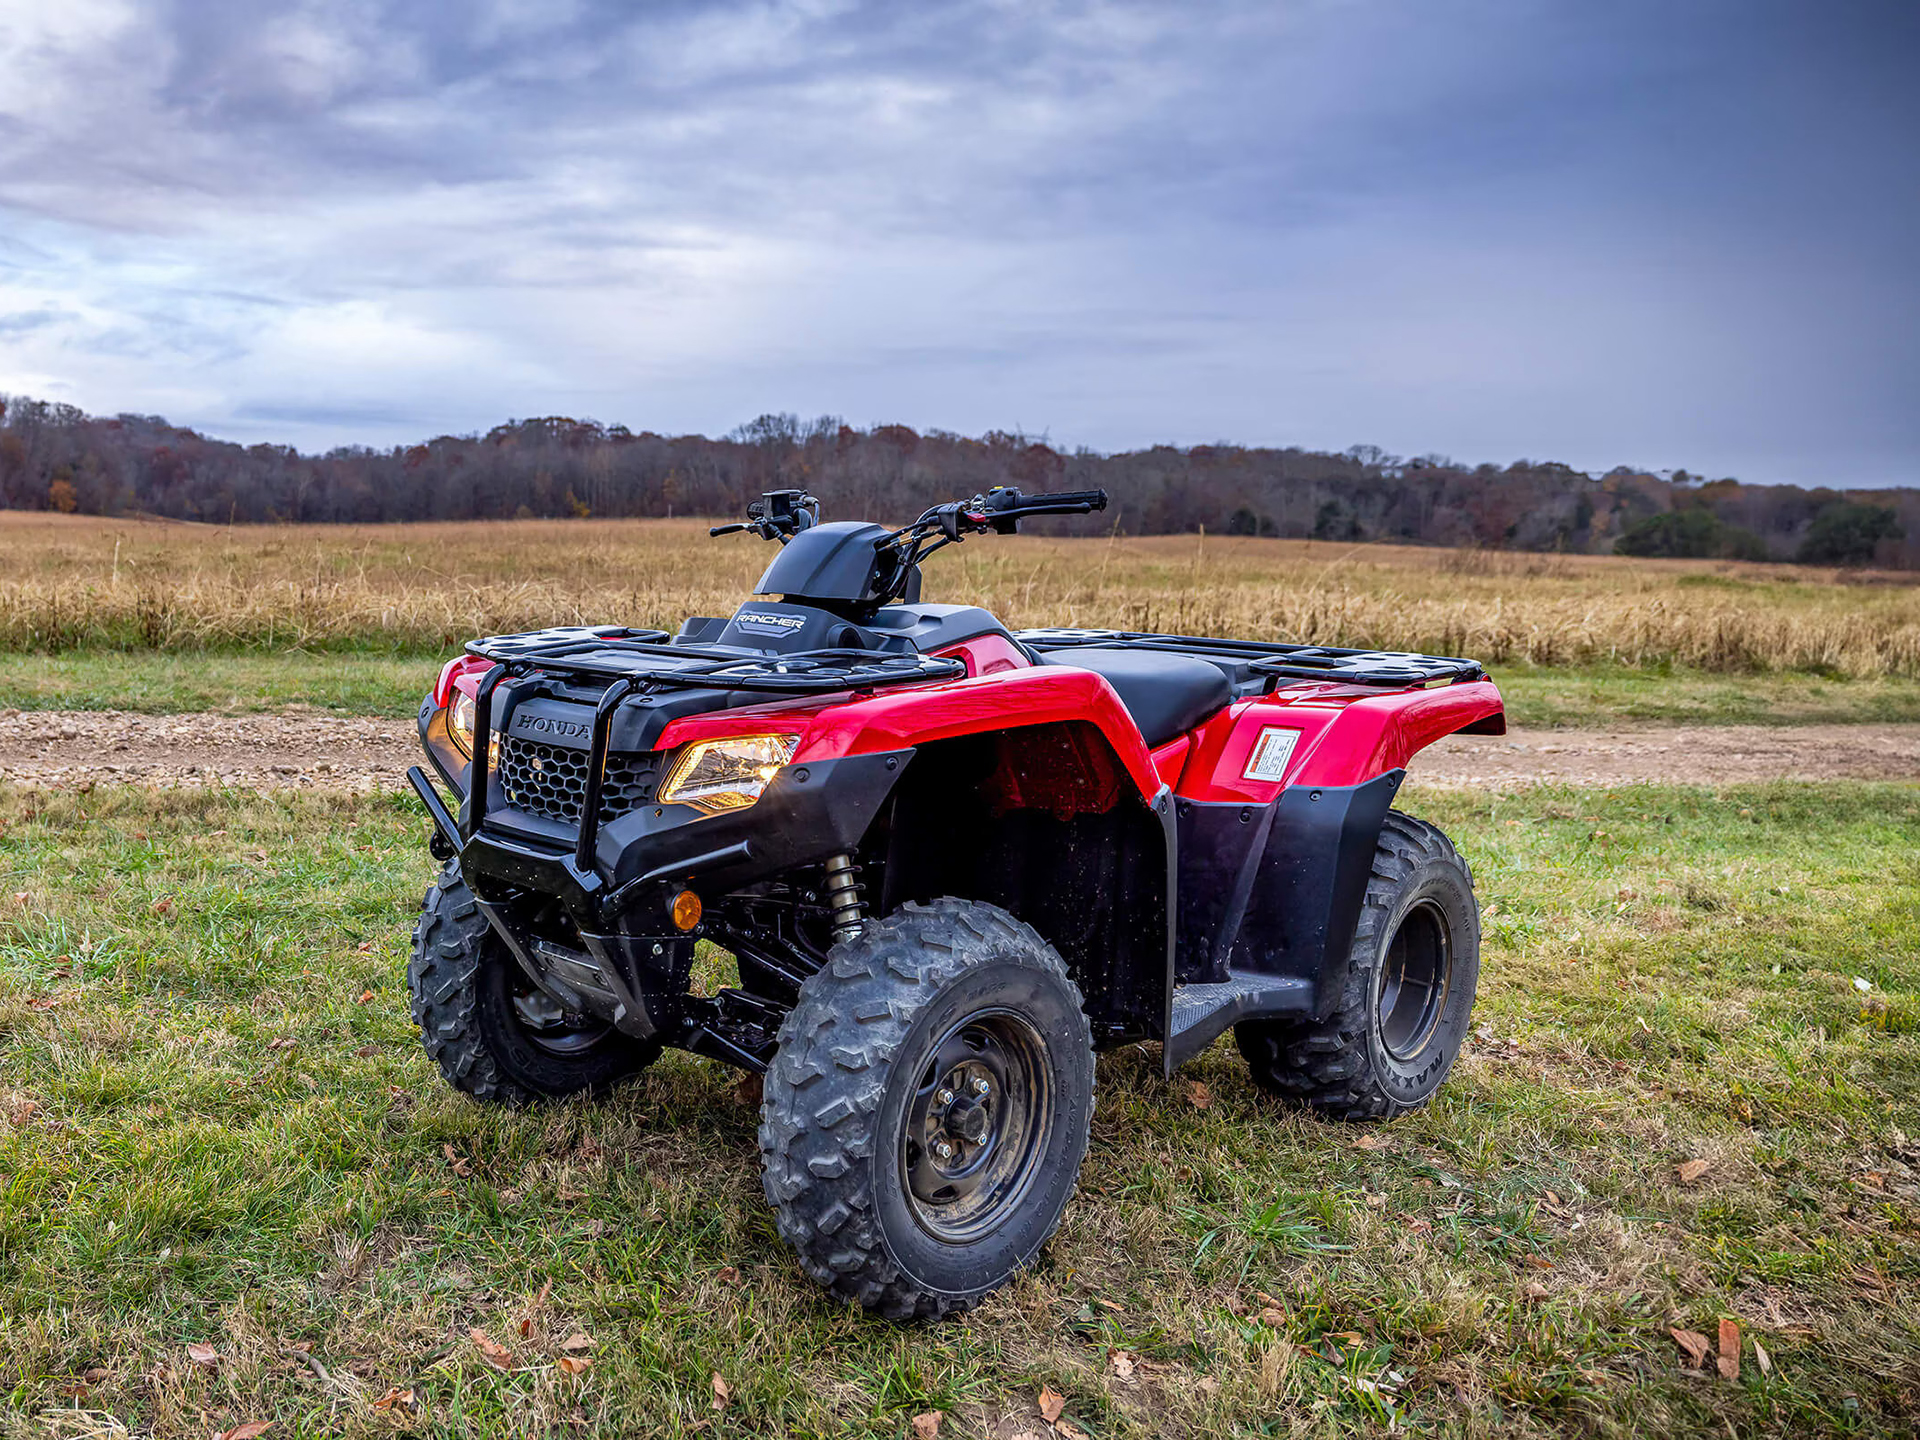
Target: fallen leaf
[285, 1042]
[1122, 1364]
[749, 1090]
[1553, 1199]
[252, 1430]
[1067, 1430]
[1694, 1343]
[575, 1364]
[1728, 1361]
[95, 1374]
[20, 897]
[364, 946]
[460, 1166]
[722, 1392]
[577, 1342]
[20, 1109]
[162, 906]
[202, 1354]
[395, 1398]
[727, 1275]
[1535, 1290]
[1691, 1170]
[1760, 1358]
[367, 1052]
[1208, 1385]
[1052, 1402]
[363, 997]
[492, 1351]
[926, 1425]
[1198, 1093]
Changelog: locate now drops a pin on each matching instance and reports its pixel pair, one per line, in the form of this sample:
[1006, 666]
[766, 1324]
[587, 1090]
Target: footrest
[1201, 1013]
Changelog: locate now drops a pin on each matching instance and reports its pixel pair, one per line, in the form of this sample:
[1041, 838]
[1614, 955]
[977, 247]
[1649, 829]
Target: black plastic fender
[1276, 889]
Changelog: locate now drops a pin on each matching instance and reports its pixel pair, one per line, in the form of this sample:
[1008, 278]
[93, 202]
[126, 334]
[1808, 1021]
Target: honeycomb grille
[551, 781]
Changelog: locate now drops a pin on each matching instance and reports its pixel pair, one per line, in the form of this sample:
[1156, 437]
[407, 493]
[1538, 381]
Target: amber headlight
[460, 723]
[717, 775]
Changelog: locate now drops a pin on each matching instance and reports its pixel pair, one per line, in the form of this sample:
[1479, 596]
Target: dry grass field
[70, 583]
[233, 1192]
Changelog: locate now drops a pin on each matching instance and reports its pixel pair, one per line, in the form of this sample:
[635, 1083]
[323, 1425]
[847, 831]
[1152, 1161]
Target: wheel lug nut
[945, 1097]
[981, 1087]
[943, 1150]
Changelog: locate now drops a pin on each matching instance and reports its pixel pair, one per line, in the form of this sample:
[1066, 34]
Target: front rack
[636, 661]
[1385, 668]
[645, 655]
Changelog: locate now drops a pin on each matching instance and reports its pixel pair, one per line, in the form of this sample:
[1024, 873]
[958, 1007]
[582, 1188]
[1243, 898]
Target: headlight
[717, 775]
[460, 723]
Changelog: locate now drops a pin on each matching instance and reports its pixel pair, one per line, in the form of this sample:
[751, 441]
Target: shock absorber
[843, 898]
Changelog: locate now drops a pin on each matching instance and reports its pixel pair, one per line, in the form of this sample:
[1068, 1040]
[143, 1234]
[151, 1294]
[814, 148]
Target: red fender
[1347, 735]
[915, 715]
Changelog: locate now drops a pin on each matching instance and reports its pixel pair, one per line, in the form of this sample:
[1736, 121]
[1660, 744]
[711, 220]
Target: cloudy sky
[1665, 234]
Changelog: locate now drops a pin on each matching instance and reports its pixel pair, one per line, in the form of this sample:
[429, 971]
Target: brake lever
[730, 529]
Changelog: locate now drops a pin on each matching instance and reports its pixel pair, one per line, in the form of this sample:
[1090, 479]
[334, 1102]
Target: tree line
[56, 457]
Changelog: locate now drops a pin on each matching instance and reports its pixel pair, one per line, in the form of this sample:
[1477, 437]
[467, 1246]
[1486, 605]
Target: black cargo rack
[637, 655]
[1384, 668]
[637, 661]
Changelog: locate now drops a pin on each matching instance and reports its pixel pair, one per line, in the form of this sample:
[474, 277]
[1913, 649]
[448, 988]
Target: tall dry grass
[69, 583]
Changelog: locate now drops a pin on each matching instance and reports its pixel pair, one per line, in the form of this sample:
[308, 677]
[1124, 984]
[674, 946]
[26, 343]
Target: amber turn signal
[686, 910]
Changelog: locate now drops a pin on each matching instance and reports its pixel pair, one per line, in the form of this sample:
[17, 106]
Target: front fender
[912, 715]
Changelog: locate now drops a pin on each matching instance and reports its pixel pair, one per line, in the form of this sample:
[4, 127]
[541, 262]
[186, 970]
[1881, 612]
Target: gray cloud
[1670, 236]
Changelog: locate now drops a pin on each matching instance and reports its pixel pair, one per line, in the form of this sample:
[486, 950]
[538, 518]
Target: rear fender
[1340, 735]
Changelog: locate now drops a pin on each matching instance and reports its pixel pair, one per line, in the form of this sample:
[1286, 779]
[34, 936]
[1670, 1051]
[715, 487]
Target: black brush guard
[636, 661]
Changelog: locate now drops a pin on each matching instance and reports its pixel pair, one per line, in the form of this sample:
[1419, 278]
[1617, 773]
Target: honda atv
[952, 863]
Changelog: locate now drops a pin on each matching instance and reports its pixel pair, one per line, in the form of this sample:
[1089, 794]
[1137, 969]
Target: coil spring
[844, 906]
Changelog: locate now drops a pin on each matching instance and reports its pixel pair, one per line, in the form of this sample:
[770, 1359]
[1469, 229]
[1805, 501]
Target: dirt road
[304, 750]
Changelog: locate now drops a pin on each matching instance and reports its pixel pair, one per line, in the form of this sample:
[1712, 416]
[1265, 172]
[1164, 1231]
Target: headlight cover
[721, 775]
[460, 723]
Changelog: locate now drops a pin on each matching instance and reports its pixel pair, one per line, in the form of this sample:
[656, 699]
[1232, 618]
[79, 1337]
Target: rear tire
[1403, 1014]
[491, 1032]
[924, 1120]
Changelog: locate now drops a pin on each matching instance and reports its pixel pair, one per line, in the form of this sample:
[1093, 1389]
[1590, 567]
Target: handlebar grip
[1091, 499]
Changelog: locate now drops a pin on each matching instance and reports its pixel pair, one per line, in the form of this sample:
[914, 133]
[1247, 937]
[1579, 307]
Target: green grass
[208, 1135]
[384, 683]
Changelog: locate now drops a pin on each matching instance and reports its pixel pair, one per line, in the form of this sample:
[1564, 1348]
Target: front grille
[551, 781]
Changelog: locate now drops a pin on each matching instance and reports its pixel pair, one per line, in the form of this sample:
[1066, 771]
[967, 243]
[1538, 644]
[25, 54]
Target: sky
[1656, 234]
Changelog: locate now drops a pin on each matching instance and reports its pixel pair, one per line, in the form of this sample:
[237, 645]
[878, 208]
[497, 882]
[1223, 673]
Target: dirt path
[310, 751]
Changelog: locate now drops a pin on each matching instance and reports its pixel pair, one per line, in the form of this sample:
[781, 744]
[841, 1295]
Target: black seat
[1166, 694]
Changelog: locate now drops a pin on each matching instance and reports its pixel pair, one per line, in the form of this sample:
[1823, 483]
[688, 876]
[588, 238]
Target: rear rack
[1385, 668]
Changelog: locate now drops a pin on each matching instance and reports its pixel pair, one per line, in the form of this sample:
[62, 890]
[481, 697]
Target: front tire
[1403, 1014]
[924, 1120]
[493, 1034]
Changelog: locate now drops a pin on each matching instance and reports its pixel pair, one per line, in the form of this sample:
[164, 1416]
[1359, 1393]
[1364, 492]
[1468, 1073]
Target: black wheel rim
[976, 1126]
[1413, 981]
[550, 1028]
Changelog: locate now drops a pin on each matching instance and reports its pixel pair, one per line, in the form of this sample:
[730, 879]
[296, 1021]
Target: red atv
[952, 863]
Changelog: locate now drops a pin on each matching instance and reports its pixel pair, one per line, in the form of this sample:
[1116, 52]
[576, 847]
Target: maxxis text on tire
[1351, 1066]
[463, 982]
[860, 1059]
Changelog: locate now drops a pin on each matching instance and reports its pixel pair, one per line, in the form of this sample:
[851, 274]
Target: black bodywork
[1175, 918]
